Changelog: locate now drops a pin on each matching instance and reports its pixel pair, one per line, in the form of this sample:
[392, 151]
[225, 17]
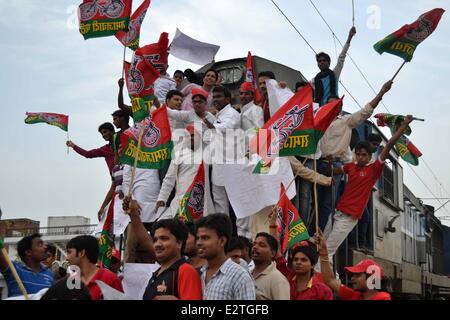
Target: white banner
[186, 48]
[249, 193]
[136, 277]
[277, 96]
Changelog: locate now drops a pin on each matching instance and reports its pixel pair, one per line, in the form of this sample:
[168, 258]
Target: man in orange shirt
[176, 279]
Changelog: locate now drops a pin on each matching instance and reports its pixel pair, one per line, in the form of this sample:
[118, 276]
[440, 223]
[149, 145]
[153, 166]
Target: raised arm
[343, 54]
[391, 143]
[132, 208]
[325, 266]
[273, 230]
[305, 173]
[357, 118]
[385, 88]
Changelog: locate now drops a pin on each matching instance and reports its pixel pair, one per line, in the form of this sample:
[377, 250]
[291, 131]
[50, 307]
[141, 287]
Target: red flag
[295, 115]
[192, 203]
[291, 227]
[404, 41]
[103, 18]
[156, 53]
[131, 38]
[156, 145]
[325, 115]
[140, 76]
[250, 76]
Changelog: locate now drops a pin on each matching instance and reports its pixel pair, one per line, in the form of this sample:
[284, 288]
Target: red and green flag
[250, 76]
[106, 241]
[404, 41]
[140, 76]
[54, 119]
[291, 227]
[407, 150]
[294, 129]
[192, 203]
[103, 18]
[156, 53]
[156, 145]
[130, 39]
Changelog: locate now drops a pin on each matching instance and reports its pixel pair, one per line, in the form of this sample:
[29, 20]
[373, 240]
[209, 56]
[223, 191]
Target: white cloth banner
[277, 96]
[249, 193]
[136, 277]
[121, 220]
[186, 48]
[109, 293]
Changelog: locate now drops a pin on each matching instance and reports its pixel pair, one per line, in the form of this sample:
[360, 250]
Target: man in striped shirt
[222, 279]
[34, 275]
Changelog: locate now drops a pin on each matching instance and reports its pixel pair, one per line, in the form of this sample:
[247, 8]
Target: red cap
[116, 254]
[247, 86]
[363, 266]
[199, 91]
[190, 128]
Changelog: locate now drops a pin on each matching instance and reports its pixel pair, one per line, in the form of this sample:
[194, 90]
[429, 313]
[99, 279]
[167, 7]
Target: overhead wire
[348, 91]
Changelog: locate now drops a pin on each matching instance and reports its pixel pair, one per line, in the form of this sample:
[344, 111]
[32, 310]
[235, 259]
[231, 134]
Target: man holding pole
[362, 176]
[335, 151]
[31, 275]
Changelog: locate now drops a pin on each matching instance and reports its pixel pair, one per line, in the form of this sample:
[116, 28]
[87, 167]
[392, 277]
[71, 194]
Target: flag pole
[67, 140]
[138, 151]
[14, 272]
[315, 194]
[395, 75]
[353, 11]
[123, 60]
[286, 189]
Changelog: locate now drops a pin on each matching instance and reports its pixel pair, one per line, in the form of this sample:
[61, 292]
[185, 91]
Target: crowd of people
[219, 256]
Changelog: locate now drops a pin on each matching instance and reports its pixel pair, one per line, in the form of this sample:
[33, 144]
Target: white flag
[262, 189]
[186, 48]
[277, 96]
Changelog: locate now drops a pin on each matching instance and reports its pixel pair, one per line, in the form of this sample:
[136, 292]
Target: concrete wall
[67, 221]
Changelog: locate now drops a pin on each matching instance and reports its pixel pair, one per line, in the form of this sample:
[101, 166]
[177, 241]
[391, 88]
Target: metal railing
[52, 231]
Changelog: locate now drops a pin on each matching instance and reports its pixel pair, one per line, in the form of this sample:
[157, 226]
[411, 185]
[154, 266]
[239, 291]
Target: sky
[47, 66]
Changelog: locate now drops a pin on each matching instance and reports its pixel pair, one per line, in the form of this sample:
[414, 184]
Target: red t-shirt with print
[359, 187]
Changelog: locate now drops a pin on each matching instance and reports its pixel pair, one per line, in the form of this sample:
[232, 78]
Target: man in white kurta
[194, 116]
[226, 118]
[252, 117]
[182, 171]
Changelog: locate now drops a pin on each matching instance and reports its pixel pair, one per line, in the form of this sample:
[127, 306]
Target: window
[231, 75]
[388, 182]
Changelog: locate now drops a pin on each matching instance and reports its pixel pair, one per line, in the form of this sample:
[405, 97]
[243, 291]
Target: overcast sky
[47, 66]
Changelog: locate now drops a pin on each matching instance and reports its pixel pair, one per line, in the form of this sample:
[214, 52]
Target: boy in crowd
[34, 275]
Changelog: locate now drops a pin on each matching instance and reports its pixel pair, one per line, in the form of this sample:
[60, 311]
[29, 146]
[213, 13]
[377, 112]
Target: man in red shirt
[365, 277]
[82, 251]
[107, 151]
[362, 176]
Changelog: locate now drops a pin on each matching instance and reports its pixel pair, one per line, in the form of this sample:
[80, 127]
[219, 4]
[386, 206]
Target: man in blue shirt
[34, 275]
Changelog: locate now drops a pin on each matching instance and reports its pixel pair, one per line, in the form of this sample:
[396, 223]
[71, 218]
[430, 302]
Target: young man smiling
[176, 279]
